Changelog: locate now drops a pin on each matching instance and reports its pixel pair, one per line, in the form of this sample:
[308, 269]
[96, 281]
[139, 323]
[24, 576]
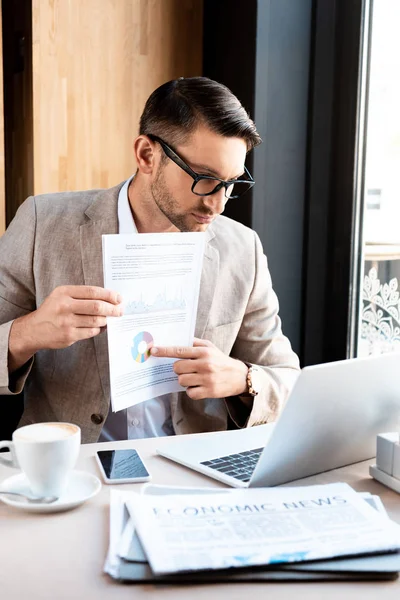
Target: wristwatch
[253, 380]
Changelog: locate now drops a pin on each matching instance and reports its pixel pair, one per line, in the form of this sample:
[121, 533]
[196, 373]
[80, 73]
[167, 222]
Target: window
[379, 314]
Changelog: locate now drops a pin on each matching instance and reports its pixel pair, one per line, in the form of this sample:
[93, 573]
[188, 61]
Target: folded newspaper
[208, 530]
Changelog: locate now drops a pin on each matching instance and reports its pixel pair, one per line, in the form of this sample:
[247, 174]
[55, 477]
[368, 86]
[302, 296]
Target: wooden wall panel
[2, 158]
[94, 65]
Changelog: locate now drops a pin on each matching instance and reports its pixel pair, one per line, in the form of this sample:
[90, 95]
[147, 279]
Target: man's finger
[198, 392]
[191, 380]
[91, 292]
[84, 333]
[175, 352]
[97, 308]
[182, 367]
[89, 321]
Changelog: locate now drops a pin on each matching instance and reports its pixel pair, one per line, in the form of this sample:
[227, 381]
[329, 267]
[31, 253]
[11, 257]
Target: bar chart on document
[158, 277]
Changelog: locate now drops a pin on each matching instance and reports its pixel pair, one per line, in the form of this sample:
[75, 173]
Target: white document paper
[158, 276]
[258, 527]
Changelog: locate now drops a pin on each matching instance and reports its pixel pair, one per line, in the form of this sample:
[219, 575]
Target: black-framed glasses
[205, 185]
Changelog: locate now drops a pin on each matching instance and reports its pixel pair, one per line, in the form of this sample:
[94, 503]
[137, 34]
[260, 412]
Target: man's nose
[216, 202]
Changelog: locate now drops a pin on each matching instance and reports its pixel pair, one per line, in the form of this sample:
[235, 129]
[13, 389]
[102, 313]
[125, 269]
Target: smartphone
[122, 466]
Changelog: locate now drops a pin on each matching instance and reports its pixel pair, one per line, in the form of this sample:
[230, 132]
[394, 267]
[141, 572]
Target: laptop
[331, 419]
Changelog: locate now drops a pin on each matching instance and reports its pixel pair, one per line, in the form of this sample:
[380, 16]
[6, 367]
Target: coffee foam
[45, 432]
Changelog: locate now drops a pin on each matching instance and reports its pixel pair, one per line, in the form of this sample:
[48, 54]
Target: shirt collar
[126, 223]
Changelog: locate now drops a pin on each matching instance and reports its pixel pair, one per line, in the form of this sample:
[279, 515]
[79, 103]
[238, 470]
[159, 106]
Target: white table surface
[61, 556]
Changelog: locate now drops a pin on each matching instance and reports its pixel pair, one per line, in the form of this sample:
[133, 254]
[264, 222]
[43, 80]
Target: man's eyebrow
[208, 171]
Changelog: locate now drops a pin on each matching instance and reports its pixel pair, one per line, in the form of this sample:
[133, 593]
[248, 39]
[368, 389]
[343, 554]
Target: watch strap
[249, 381]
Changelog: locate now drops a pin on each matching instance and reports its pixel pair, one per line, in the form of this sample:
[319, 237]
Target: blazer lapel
[102, 219]
[208, 283]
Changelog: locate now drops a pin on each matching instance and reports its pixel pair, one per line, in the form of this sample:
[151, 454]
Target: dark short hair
[176, 108]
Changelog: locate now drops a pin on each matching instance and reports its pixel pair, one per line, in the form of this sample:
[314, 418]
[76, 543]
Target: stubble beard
[168, 206]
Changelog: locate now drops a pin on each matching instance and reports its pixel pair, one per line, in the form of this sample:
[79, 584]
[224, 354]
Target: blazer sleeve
[260, 342]
[17, 288]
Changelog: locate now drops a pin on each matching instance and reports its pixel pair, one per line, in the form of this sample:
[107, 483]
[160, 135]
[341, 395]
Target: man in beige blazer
[194, 136]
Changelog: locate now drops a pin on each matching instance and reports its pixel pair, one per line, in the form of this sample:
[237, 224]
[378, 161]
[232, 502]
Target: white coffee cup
[46, 453]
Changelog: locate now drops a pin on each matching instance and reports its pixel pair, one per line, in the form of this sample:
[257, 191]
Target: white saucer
[81, 487]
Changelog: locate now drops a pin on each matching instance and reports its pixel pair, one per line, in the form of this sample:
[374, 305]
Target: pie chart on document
[142, 344]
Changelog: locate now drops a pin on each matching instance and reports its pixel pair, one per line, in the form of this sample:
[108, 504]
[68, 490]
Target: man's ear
[145, 154]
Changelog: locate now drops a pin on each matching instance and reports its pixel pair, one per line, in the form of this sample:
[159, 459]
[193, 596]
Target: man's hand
[205, 371]
[69, 314]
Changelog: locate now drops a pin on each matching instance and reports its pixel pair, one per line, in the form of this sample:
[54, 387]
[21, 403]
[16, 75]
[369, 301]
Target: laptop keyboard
[240, 465]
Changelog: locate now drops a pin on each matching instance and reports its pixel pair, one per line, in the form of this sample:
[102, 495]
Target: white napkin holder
[387, 468]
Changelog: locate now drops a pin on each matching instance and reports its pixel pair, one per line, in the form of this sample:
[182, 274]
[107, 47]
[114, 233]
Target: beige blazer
[55, 239]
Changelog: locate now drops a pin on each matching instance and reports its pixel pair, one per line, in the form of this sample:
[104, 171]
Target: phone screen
[122, 464]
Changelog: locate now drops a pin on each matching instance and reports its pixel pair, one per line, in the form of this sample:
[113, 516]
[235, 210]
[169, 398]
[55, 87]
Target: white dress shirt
[153, 417]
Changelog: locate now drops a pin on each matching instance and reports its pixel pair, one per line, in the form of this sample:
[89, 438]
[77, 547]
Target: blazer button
[97, 419]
